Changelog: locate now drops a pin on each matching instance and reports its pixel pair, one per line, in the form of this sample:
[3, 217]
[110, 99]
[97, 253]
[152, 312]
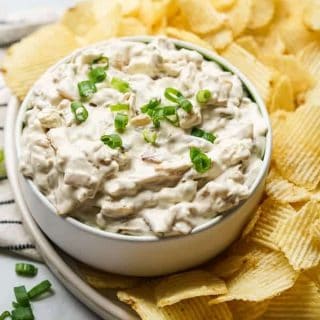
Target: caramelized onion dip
[142, 139]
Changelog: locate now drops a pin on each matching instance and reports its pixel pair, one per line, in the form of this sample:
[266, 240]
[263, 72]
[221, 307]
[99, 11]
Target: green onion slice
[119, 107]
[112, 140]
[149, 136]
[80, 112]
[120, 85]
[4, 315]
[97, 74]
[2, 163]
[196, 132]
[22, 313]
[151, 105]
[26, 269]
[21, 296]
[173, 95]
[86, 89]
[203, 96]
[102, 60]
[39, 289]
[201, 162]
[186, 105]
[121, 121]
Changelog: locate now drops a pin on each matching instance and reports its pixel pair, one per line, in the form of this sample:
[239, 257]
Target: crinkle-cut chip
[311, 14]
[33, 55]
[130, 7]
[309, 56]
[196, 283]
[295, 238]
[252, 222]
[314, 275]
[273, 215]
[315, 195]
[186, 36]
[245, 310]
[260, 75]
[152, 13]
[131, 27]
[271, 275]
[273, 43]
[261, 14]
[294, 34]
[239, 16]
[312, 97]
[105, 280]
[222, 5]
[297, 147]
[315, 230]
[300, 302]
[142, 300]
[250, 44]
[282, 190]
[219, 39]
[201, 15]
[107, 26]
[289, 65]
[277, 119]
[282, 95]
[178, 22]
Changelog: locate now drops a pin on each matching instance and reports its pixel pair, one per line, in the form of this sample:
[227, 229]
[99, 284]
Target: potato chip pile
[273, 271]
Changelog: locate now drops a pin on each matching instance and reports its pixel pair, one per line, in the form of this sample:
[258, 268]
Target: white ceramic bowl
[147, 255]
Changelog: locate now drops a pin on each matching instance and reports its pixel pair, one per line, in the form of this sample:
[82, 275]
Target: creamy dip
[161, 175]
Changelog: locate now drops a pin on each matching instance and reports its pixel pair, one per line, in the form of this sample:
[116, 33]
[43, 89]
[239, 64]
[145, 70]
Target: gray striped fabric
[13, 237]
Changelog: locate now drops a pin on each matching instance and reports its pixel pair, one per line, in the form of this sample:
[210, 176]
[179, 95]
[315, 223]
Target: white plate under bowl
[59, 263]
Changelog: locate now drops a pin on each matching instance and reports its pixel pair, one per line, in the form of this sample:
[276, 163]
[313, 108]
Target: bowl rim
[207, 54]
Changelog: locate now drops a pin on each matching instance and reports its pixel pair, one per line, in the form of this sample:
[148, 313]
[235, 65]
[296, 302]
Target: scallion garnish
[121, 121]
[104, 61]
[97, 74]
[39, 289]
[176, 96]
[4, 315]
[203, 96]
[86, 89]
[22, 313]
[26, 269]
[196, 132]
[201, 162]
[2, 164]
[150, 136]
[80, 112]
[112, 140]
[151, 105]
[21, 296]
[120, 85]
[119, 107]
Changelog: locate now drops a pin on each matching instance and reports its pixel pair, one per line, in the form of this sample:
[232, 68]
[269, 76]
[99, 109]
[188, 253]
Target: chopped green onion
[120, 85]
[149, 136]
[102, 60]
[186, 105]
[119, 107]
[196, 132]
[39, 289]
[21, 296]
[203, 96]
[169, 110]
[86, 89]
[201, 162]
[16, 304]
[80, 112]
[121, 121]
[97, 74]
[151, 105]
[112, 140]
[173, 94]
[22, 313]
[2, 163]
[26, 269]
[4, 315]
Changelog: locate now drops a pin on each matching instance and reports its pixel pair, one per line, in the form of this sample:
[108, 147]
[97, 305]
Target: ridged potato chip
[129, 7]
[314, 275]
[311, 14]
[269, 276]
[186, 285]
[282, 95]
[244, 310]
[278, 118]
[220, 39]
[273, 43]
[300, 302]
[310, 58]
[297, 147]
[250, 44]
[222, 5]
[33, 55]
[142, 300]
[261, 13]
[131, 26]
[201, 15]
[295, 237]
[260, 75]
[103, 280]
[282, 190]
